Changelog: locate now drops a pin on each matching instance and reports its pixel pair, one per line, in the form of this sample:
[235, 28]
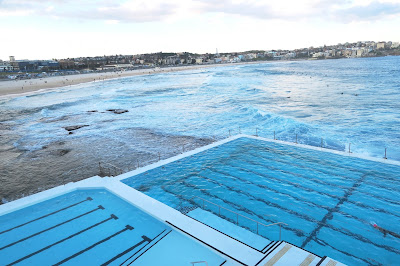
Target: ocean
[335, 103]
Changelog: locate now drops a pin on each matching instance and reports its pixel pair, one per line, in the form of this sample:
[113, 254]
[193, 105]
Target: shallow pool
[92, 227]
[327, 200]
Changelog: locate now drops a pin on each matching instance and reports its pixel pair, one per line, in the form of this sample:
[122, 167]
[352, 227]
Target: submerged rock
[60, 152]
[118, 111]
[71, 128]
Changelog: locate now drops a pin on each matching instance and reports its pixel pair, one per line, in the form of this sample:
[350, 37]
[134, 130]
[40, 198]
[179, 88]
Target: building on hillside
[5, 66]
[380, 45]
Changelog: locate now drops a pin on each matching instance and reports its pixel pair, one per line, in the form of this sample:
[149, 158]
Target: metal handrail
[238, 214]
[195, 262]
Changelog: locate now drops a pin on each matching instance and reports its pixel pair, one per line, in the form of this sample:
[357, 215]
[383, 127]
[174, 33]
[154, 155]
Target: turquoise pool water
[93, 227]
[327, 200]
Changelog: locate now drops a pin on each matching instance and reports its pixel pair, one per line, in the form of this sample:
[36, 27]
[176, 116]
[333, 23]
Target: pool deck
[235, 252]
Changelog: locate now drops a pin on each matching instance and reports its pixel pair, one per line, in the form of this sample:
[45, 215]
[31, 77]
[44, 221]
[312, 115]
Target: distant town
[25, 69]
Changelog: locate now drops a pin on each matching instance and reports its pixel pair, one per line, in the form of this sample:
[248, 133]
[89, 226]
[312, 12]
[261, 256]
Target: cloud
[339, 10]
[373, 11]
[133, 11]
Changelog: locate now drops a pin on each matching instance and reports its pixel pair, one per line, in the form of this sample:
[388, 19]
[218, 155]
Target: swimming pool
[328, 200]
[93, 227]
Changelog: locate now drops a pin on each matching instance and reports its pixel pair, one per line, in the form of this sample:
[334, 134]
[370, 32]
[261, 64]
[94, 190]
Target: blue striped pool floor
[327, 199]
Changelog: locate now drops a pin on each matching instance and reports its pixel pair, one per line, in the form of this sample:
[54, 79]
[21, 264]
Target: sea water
[334, 103]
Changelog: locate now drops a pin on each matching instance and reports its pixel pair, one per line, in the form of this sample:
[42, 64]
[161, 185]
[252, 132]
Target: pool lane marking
[367, 262]
[145, 239]
[148, 248]
[329, 173]
[62, 240]
[266, 247]
[295, 230]
[313, 204]
[329, 215]
[362, 205]
[269, 203]
[127, 227]
[311, 219]
[234, 205]
[269, 253]
[312, 158]
[44, 216]
[57, 225]
[316, 180]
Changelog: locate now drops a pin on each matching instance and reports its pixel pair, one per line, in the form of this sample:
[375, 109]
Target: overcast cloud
[148, 11]
[69, 28]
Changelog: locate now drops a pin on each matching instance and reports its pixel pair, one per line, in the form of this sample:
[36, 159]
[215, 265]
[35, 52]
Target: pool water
[91, 227]
[327, 200]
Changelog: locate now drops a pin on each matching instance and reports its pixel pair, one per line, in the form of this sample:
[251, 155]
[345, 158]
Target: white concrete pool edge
[44, 195]
[343, 153]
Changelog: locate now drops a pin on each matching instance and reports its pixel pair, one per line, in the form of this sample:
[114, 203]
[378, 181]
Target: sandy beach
[11, 88]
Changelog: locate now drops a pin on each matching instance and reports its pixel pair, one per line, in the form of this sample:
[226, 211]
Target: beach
[28, 86]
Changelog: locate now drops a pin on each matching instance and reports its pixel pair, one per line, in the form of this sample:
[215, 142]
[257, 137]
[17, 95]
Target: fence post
[256, 132]
[322, 143]
[203, 204]
[240, 132]
[296, 138]
[183, 148]
[100, 172]
[257, 228]
[138, 163]
[349, 147]
[385, 155]
[229, 132]
[219, 210]
[159, 157]
[237, 219]
[274, 135]
[280, 231]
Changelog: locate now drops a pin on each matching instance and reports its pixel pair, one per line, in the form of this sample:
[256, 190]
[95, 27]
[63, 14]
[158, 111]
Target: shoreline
[16, 88]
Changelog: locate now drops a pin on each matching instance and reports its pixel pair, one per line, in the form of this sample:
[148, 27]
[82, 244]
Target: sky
[46, 29]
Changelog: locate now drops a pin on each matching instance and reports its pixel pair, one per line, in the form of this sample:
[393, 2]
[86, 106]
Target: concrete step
[287, 254]
[326, 261]
[245, 236]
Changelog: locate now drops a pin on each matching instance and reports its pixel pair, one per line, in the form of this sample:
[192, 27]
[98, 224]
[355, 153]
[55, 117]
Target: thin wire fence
[237, 215]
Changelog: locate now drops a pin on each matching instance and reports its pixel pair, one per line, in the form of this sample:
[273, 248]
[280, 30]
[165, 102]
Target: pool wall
[226, 247]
